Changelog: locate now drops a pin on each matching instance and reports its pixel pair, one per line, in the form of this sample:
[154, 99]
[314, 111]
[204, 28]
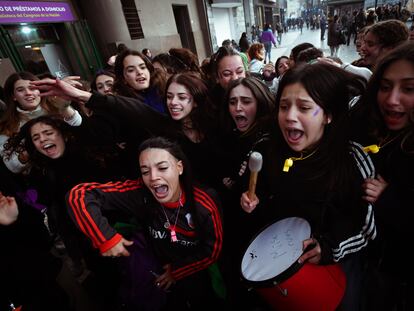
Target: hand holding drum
[270, 266]
[255, 165]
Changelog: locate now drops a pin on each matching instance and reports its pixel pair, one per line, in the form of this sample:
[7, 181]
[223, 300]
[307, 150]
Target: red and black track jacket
[198, 227]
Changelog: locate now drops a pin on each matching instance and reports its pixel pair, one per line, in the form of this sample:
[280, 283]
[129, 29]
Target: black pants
[352, 266]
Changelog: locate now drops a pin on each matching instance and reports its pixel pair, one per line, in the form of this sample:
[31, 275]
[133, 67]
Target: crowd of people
[131, 192]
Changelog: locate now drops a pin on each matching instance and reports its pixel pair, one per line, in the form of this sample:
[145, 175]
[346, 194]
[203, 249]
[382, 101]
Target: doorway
[269, 16]
[259, 17]
[39, 49]
[183, 23]
[222, 25]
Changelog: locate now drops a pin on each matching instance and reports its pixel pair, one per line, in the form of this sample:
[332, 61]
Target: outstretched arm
[61, 88]
[86, 203]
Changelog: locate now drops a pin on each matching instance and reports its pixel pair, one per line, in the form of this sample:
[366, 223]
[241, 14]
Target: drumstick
[255, 165]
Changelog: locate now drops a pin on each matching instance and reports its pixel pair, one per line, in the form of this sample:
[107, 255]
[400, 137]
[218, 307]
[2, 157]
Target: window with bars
[132, 19]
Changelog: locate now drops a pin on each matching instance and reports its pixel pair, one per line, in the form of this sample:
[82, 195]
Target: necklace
[167, 223]
[289, 161]
[383, 143]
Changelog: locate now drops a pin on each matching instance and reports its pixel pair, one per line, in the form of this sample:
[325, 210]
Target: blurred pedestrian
[244, 43]
[267, 38]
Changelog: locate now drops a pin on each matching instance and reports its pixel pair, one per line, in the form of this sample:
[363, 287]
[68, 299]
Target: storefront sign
[34, 12]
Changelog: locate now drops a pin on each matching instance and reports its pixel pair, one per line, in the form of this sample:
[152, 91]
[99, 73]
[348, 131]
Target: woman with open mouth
[249, 123]
[182, 221]
[384, 122]
[190, 119]
[135, 77]
[246, 128]
[313, 174]
[61, 157]
[24, 103]
[137, 82]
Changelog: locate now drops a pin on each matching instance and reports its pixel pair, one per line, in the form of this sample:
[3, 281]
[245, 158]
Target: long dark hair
[98, 74]
[201, 117]
[331, 88]
[277, 64]
[186, 178]
[178, 60]
[367, 113]
[157, 79]
[390, 33]
[265, 101]
[75, 145]
[22, 141]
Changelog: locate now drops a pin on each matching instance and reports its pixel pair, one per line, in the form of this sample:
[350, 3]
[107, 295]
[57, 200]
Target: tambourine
[270, 266]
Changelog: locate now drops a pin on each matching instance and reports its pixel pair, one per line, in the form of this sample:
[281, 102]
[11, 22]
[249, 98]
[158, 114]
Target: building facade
[69, 37]
[45, 37]
[341, 7]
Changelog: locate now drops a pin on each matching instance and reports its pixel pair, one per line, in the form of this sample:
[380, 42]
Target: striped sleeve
[86, 202]
[360, 240]
[210, 246]
[368, 229]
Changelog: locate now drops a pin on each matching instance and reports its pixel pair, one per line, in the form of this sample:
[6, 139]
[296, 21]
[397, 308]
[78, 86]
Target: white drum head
[275, 249]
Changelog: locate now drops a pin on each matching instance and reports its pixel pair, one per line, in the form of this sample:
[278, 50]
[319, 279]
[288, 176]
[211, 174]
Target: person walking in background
[371, 18]
[347, 22]
[279, 29]
[360, 19]
[300, 24]
[334, 33]
[244, 43]
[323, 26]
[267, 38]
[254, 33]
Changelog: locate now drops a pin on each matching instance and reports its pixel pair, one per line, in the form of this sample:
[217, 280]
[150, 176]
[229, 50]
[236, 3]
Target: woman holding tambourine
[317, 172]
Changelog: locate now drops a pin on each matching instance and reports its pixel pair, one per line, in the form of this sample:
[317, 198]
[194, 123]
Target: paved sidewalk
[294, 37]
